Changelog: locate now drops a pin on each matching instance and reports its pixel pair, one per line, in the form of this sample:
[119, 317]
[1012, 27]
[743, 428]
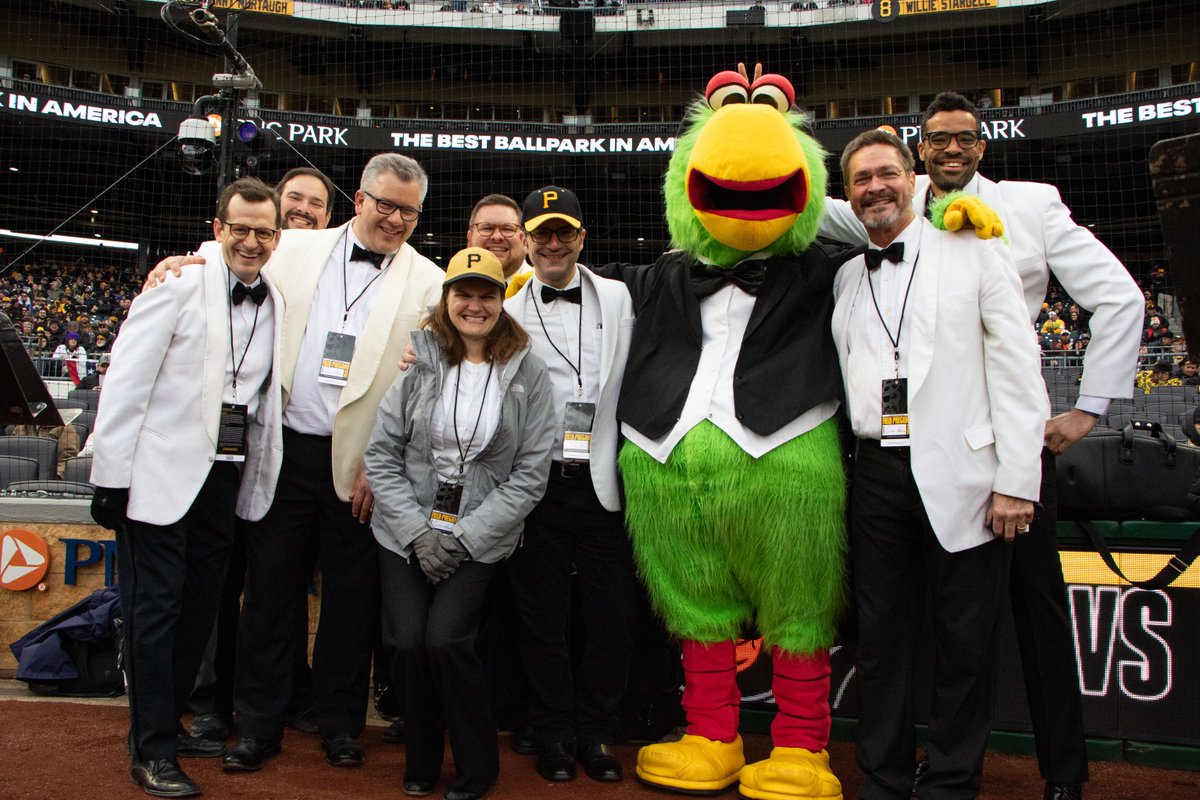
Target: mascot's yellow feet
[693, 765]
[791, 773]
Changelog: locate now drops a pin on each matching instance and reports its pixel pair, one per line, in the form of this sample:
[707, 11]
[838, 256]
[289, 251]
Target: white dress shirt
[724, 316]
[478, 392]
[554, 331]
[312, 405]
[256, 338]
[870, 352]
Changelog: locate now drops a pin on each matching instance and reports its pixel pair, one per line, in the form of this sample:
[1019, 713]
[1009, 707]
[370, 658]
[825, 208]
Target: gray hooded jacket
[500, 486]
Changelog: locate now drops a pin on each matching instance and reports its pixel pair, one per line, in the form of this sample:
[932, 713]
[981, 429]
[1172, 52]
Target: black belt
[575, 470]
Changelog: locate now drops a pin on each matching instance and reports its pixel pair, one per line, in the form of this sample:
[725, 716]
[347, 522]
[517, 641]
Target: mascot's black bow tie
[894, 253]
[241, 291]
[747, 276]
[572, 295]
[363, 254]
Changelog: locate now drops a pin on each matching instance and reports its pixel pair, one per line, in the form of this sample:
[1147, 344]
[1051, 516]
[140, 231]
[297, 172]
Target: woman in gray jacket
[459, 455]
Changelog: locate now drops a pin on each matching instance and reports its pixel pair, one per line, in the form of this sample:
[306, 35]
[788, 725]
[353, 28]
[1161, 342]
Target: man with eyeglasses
[496, 226]
[1044, 240]
[305, 202]
[188, 439]
[353, 293]
[579, 324]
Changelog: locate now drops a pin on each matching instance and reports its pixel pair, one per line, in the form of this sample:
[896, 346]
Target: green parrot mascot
[732, 467]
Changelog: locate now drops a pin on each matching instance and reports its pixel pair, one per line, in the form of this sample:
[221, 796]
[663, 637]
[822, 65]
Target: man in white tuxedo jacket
[189, 438]
[353, 294]
[941, 377]
[579, 324]
[1045, 240]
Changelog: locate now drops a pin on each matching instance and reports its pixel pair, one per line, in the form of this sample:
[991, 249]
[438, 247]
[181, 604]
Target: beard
[950, 184]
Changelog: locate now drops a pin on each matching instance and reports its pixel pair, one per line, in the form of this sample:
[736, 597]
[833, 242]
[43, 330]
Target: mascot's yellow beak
[748, 178]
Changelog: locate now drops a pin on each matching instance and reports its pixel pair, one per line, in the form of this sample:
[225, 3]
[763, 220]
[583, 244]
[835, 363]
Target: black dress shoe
[188, 746]
[163, 778]
[418, 788]
[599, 762]
[343, 750]
[212, 725]
[395, 732]
[249, 753]
[463, 794]
[554, 762]
[1063, 791]
[524, 742]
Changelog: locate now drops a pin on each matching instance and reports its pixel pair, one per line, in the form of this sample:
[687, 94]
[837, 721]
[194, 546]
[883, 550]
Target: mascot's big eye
[725, 88]
[773, 90]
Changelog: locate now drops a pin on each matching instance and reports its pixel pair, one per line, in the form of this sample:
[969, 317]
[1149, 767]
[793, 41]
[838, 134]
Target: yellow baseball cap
[475, 262]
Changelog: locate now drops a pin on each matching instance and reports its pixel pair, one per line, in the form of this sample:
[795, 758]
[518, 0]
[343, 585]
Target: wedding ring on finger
[1023, 528]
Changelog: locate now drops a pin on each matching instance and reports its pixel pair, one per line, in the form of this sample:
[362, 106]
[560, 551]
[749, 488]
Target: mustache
[885, 194]
[297, 213]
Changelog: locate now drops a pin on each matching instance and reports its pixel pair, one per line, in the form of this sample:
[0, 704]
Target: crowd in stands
[67, 312]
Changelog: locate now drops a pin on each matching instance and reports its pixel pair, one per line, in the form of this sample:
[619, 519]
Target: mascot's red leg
[709, 756]
[799, 765]
[801, 687]
[711, 698]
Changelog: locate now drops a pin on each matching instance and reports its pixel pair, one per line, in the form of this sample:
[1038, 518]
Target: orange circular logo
[24, 560]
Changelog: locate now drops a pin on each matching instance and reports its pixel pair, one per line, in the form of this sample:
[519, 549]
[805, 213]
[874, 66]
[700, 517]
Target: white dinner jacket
[1045, 239]
[156, 433]
[976, 401]
[612, 339]
[410, 286]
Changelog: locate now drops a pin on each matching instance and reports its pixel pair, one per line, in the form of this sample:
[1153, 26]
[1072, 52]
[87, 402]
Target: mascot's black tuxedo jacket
[787, 363]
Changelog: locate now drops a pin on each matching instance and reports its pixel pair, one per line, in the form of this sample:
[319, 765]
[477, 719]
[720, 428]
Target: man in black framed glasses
[495, 225]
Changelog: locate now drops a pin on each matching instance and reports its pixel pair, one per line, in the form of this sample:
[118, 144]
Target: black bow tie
[747, 276]
[241, 291]
[363, 254]
[894, 252]
[572, 295]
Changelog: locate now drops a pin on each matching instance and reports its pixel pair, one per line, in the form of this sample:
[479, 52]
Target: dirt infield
[58, 750]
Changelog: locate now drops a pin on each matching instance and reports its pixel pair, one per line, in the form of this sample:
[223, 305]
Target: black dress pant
[170, 580]
[570, 531]
[430, 632]
[307, 524]
[1042, 618]
[896, 560]
[214, 684]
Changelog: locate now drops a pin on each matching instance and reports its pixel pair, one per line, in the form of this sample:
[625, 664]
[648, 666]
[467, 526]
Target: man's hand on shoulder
[1064, 430]
[171, 264]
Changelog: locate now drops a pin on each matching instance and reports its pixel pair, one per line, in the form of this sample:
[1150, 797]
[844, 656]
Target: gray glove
[454, 549]
[436, 562]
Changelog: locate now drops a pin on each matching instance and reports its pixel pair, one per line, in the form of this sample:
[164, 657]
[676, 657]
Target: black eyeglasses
[387, 208]
[264, 235]
[507, 229]
[565, 235]
[940, 140]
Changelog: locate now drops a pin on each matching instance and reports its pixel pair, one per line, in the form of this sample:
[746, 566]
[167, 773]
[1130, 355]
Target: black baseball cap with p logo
[551, 202]
[475, 262]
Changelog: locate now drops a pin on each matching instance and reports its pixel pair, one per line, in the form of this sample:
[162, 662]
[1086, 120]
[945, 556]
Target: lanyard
[895, 340]
[462, 452]
[345, 291]
[235, 362]
[579, 356]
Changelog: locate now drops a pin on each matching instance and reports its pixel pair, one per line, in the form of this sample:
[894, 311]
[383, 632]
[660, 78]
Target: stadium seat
[89, 396]
[17, 468]
[66, 402]
[85, 422]
[53, 488]
[43, 451]
[78, 469]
